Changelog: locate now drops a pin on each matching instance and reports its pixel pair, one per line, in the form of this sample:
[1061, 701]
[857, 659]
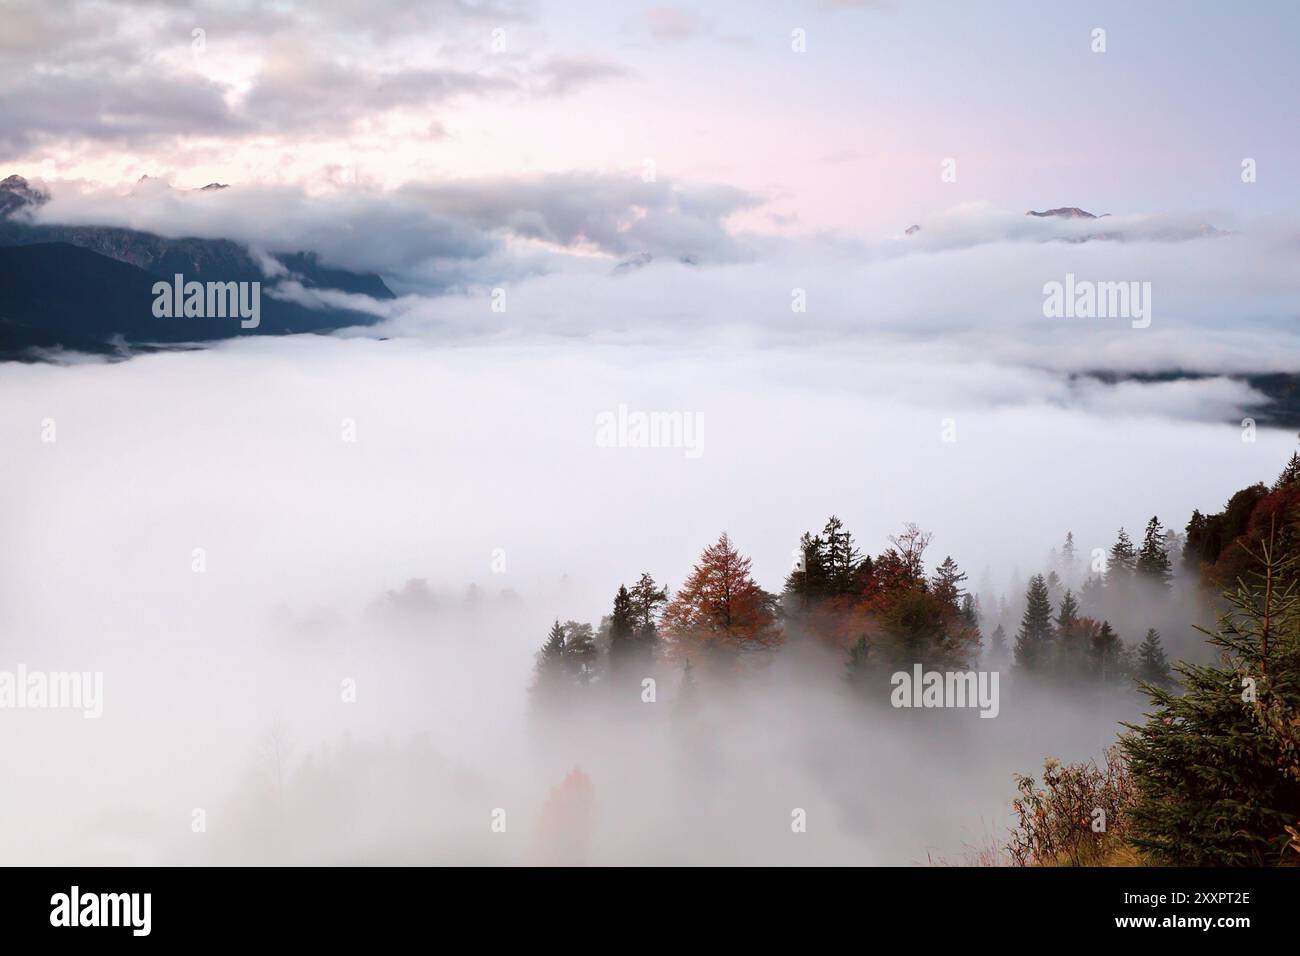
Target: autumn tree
[720, 606]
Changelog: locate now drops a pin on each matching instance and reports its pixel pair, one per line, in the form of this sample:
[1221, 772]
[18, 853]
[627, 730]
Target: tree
[1290, 474]
[1152, 665]
[1033, 642]
[1105, 654]
[622, 629]
[579, 651]
[549, 671]
[1215, 766]
[858, 666]
[998, 650]
[1123, 557]
[1069, 559]
[645, 598]
[808, 580]
[909, 547]
[1153, 559]
[843, 560]
[1070, 647]
[721, 606]
[947, 583]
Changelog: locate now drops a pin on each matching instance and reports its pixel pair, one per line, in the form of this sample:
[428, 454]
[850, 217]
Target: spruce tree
[998, 650]
[842, 558]
[1033, 642]
[549, 671]
[1152, 665]
[1290, 474]
[807, 582]
[646, 597]
[1153, 559]
[1106, 654]
[1069, 559]
[858, 667]
[622, 630]
[579, 651]
[1123, 557]
[947, 583]
[1068, 655]
[1215, 767]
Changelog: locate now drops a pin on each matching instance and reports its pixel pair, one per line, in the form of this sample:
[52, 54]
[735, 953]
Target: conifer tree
[1105, 654]
[858, 666]
[1215, 767]
[842, 558]
[1033, 642]
[645, 597]
[579, 651]
[1123, 557]
[1290, 474]
[998, 650]
[947, 583]
[1069, 653]
[1069, 559]
[807, 581]
[549, 671]
[622, 629]
[1152, 665]
[1153, 559]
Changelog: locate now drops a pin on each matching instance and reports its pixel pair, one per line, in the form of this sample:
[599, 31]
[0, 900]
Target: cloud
[144, 75]
[427, 234]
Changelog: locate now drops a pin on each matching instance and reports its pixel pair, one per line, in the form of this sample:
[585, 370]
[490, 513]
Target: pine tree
[1153, 559]
[1033, 642]
[1152, 665]
[1215, 767]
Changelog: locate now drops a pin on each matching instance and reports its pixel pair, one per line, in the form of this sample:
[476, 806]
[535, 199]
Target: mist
[406, 517]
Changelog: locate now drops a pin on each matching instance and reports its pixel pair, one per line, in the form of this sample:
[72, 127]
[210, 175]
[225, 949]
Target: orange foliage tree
[720, 606]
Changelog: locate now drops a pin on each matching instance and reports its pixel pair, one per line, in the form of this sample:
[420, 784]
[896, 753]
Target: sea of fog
[230, 535]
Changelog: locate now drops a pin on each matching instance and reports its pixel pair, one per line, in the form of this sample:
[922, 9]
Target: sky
[846, 137]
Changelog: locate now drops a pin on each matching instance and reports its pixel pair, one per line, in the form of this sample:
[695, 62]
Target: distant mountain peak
[1066, 212]
[16, 193]
[212, 187]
